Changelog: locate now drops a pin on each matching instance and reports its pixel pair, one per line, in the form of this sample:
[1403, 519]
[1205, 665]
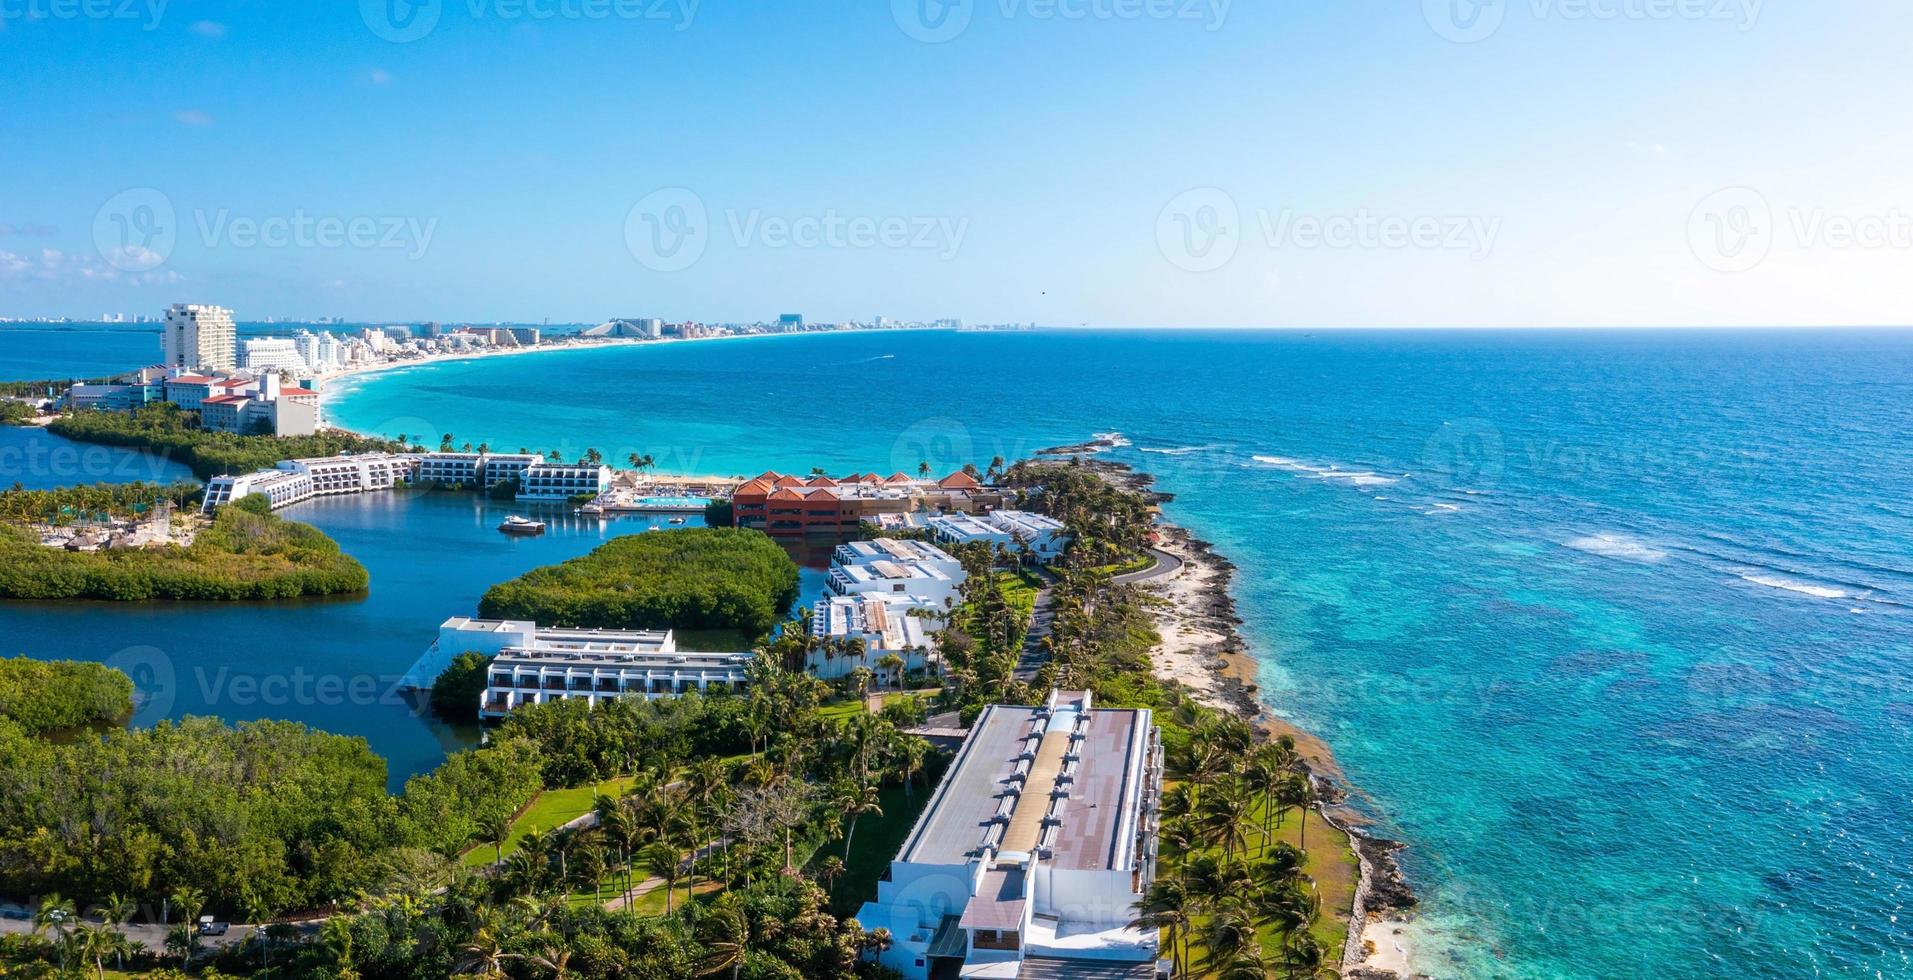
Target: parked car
[207, 927]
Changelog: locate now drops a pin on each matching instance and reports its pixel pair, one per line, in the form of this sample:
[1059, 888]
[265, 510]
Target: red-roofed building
[822, 510]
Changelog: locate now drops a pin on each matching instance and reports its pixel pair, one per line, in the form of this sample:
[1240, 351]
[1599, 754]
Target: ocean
[1611, 627]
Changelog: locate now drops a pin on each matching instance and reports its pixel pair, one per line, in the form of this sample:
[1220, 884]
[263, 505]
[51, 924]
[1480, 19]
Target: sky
[1203, 163]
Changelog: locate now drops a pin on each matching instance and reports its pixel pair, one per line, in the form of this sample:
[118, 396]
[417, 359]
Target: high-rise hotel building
[200, 338]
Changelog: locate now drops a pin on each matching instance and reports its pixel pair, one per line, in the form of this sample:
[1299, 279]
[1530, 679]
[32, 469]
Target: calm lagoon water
[1612, 627]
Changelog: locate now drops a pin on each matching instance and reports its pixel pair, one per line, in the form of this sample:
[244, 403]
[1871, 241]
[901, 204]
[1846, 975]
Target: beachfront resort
[1033, 852]
[888, 633]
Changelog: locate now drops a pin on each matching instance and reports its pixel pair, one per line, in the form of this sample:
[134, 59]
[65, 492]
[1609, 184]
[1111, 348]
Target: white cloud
[209, 28]
[192, 117]
[50, 265]
[378, 76]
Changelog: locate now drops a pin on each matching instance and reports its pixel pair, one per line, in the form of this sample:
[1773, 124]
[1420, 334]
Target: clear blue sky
[1356, 162]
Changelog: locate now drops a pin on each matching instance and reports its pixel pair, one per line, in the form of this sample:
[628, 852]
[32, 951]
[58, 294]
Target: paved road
[1165, 566]
[1033, 657]
[152, 937]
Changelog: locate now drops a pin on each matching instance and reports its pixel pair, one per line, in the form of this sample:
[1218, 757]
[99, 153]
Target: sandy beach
[1202, 650]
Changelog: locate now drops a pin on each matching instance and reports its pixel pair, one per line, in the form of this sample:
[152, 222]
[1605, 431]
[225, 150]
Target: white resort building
[199, 337]
[1043, 536]
[302, 479]
[473, 469]
[533, 664]
[921, 584]
[295, 480]
[882, 626]
[903, 552]
[1031, 855]
[557, 481]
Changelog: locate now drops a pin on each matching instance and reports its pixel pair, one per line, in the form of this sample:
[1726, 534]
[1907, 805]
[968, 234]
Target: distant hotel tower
[200, 338]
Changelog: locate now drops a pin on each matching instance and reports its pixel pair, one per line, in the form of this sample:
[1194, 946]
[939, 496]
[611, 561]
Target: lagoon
[1612, 627]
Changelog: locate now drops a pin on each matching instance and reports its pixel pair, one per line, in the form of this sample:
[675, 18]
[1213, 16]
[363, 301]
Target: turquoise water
[1611, 627]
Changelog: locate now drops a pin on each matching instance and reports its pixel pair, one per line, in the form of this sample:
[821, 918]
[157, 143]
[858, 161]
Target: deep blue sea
[1613, 628]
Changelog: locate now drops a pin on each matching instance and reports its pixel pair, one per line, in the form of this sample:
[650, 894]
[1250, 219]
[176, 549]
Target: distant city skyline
[1210, 164]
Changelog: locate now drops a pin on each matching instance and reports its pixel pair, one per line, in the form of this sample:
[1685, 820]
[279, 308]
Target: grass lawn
[843, 710]
[652, 904]
[1331, 864]
[551, 808]
[876, 843]
[1019, 590]
[1125, 568]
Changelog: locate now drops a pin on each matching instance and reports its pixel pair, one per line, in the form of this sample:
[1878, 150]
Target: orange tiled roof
[958, 481]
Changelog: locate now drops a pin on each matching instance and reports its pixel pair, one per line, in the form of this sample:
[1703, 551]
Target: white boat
[519, 525]
[677, 520]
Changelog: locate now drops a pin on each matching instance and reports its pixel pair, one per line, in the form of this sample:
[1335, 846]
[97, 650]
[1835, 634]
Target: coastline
[1202, 650]
[571, 343]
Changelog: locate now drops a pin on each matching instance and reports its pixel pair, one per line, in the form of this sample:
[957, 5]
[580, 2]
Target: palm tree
[726, 935]
[664, 862]
[854, 800]
[1246, 964]
[828, 871]
[1224, 815]
[1229, 933]
[189, 900]
[495, 829]
[621, 832]
[55, 916]
[1297, 792]
[484, 955]
[923, 468]
[1164, 906]
[1304, 956]
[893, 668]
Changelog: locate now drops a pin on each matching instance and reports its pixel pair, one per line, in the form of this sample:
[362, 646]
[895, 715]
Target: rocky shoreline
[1203, 650]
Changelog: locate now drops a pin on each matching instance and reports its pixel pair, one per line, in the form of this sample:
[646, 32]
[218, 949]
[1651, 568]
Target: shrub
[48, 695]
[455, 693]
[694, 578]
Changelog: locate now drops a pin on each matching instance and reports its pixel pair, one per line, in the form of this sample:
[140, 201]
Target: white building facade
[196, 337]
[880, 627]
[531, 664]
[1033, 851]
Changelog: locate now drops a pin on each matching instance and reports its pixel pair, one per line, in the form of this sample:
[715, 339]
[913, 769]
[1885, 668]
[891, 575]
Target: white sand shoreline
[571, 343]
